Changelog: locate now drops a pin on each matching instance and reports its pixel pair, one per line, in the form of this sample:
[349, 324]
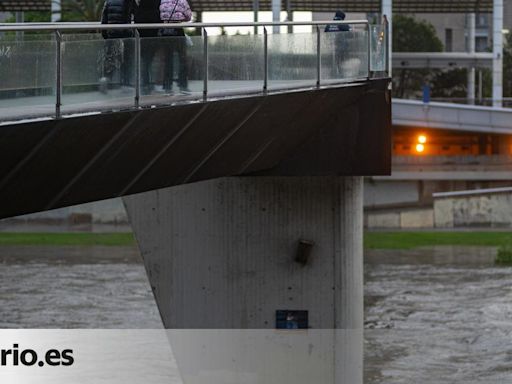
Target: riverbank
[66, 239]
[411, 240]
[372, 240]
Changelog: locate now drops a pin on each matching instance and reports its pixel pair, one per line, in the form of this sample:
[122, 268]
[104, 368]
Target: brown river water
[432, 315]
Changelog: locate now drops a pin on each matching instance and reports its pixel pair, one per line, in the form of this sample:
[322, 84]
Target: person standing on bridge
[117, 53]
[175, 11]
[340, 41]
[148, 12]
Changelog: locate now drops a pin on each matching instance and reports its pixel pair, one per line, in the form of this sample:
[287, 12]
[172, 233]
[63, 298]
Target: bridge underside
[340, 130]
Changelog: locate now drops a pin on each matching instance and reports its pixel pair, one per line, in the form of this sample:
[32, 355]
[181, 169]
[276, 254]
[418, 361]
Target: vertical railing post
[385, 42]
[265, 60]
[369, 50]
[58, 83]
[137, 68]
[318, 56]
[205, 59]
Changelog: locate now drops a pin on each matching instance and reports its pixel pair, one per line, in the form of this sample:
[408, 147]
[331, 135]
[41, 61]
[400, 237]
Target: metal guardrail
[409, 60]
[58, 28]
[53, 27]
[449, 160]
[470, 192]
[478, 101]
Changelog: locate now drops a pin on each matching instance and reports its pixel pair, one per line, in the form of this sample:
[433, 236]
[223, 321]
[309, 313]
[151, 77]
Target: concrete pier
[235, 253]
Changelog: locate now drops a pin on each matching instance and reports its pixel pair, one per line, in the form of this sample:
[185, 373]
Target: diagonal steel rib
[162, 151]
[221, 143]
[91, 162]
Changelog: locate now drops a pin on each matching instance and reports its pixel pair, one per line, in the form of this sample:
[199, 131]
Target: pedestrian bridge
[459, 117]
[84, 119]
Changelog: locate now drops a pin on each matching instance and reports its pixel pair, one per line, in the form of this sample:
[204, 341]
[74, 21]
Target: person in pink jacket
[175, 11]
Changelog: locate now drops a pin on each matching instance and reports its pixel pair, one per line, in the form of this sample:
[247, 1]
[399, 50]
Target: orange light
[422, 139]
[420, 148]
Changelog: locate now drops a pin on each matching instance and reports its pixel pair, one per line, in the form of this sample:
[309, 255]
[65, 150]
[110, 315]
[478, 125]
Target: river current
[432, 315]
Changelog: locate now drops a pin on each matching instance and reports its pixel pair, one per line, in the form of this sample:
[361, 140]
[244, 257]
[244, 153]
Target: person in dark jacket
[117, 12]
[148, 11]
[118, 54]
[339, 15]
[340, 42]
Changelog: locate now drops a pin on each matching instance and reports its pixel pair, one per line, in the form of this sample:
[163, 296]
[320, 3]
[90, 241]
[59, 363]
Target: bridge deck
[409, 113]
[122, 98]
[416, 114]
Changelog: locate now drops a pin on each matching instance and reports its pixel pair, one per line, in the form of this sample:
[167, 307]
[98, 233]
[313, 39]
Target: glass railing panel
[378, 48]
[292, 60]
[344, 53]
[27, 76]
[97, 73]
[171, 69]
[100, 74]
[235, 64]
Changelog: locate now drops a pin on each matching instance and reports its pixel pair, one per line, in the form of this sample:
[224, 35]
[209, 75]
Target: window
[448, 40]
[482, 21]
[481, 44]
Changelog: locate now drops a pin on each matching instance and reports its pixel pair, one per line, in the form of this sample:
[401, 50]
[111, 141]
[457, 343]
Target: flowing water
[438, 315]
[433, 315]
[75, 287]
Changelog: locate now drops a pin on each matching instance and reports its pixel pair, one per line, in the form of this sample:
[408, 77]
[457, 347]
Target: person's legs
[169, 64]
[107, 66]
[338, 60]
[148, 52]
[128, 62]
[145, 61]
[182, 57]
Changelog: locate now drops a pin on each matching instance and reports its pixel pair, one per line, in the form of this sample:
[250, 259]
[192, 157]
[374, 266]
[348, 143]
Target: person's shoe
[103, 85]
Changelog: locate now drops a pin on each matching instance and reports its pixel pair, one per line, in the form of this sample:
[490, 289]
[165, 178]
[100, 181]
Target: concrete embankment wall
[479, 210]
[484, 208]
[400, 219]
[109, 211]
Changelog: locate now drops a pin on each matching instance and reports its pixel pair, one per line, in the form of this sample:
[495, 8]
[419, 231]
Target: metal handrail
[96, 25]
[59, 28]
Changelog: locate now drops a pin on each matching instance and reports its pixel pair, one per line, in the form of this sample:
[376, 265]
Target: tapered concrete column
[230, 253]
[497, 49]
[471, 49]
[387, 10]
